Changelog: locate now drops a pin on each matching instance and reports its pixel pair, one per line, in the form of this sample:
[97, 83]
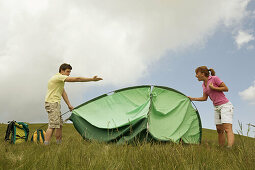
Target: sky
[127, 43]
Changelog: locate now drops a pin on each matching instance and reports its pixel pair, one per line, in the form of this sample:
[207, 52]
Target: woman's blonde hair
[205, 70]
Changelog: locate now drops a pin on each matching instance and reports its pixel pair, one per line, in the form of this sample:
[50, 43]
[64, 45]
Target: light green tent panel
[118, 109]
[193, 133]
[166, 100]
[172, 117]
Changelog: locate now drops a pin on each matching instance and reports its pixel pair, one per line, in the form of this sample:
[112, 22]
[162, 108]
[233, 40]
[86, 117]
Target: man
[53, 98]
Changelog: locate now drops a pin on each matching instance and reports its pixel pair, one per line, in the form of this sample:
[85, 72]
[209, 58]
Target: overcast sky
[127, 43]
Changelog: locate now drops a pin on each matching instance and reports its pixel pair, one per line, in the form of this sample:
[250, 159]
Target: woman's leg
[230, 134]
[221, 134]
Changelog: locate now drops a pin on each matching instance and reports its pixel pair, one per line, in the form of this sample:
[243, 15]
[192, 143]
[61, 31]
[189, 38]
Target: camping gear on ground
[38, 136]
[17, 132]
[139, 113]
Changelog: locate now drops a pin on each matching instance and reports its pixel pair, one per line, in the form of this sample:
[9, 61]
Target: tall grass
[75, 153]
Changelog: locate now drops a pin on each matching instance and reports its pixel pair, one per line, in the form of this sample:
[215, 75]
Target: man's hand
[70, 107]
[95, 78]
[211, 86]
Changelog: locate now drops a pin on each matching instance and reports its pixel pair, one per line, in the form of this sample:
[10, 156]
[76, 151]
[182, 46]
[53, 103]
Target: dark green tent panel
[156, 112]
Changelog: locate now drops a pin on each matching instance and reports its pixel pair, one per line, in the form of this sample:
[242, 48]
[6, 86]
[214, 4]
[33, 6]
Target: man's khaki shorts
[53, 109]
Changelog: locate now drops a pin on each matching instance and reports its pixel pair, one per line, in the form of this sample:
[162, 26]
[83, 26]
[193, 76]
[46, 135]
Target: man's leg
[49, 108]
[53, 110]
[58, 134]
[230, 134]
[221, 134]
[48, 135]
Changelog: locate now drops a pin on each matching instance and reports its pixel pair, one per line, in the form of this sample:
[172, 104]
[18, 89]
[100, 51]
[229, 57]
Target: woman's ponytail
[205, 70]
[212, 71]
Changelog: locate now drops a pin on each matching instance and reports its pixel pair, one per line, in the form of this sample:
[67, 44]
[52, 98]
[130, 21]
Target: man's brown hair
[205, 70]
[64, 67]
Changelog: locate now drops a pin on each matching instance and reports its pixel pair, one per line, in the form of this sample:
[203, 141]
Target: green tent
[140, 112]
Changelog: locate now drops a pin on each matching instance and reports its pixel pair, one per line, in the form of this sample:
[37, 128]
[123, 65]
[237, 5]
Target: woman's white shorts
[224, 113]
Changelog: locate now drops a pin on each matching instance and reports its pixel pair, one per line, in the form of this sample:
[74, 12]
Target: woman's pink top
[218, 97]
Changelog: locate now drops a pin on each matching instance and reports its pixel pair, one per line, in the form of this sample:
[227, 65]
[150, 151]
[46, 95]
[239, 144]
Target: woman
[223, 109]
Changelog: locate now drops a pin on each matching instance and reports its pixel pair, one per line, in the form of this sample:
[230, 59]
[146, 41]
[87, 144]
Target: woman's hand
[191, 98]
[211, 86]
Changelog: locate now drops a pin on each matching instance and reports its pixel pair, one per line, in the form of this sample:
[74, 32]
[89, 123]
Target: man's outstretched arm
[82, 79]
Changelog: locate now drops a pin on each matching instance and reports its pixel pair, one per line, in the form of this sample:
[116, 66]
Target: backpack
[38, 136]
[16, 132]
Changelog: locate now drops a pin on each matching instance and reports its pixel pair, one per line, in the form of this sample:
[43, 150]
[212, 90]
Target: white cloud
[249, 94]
[250, 47]
[243, 37]
[117, 40]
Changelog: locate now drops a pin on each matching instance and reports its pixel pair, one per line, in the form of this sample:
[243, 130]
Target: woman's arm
[222, 87]
[204, 98]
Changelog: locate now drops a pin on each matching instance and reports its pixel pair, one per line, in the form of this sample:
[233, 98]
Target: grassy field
[75, 153]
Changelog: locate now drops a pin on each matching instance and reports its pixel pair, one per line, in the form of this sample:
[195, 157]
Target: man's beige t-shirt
[55, 88]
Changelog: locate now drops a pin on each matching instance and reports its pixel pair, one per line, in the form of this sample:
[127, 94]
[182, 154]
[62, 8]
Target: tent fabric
[126, 114]
[118, 109]
[122, 134]
[171, 116]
